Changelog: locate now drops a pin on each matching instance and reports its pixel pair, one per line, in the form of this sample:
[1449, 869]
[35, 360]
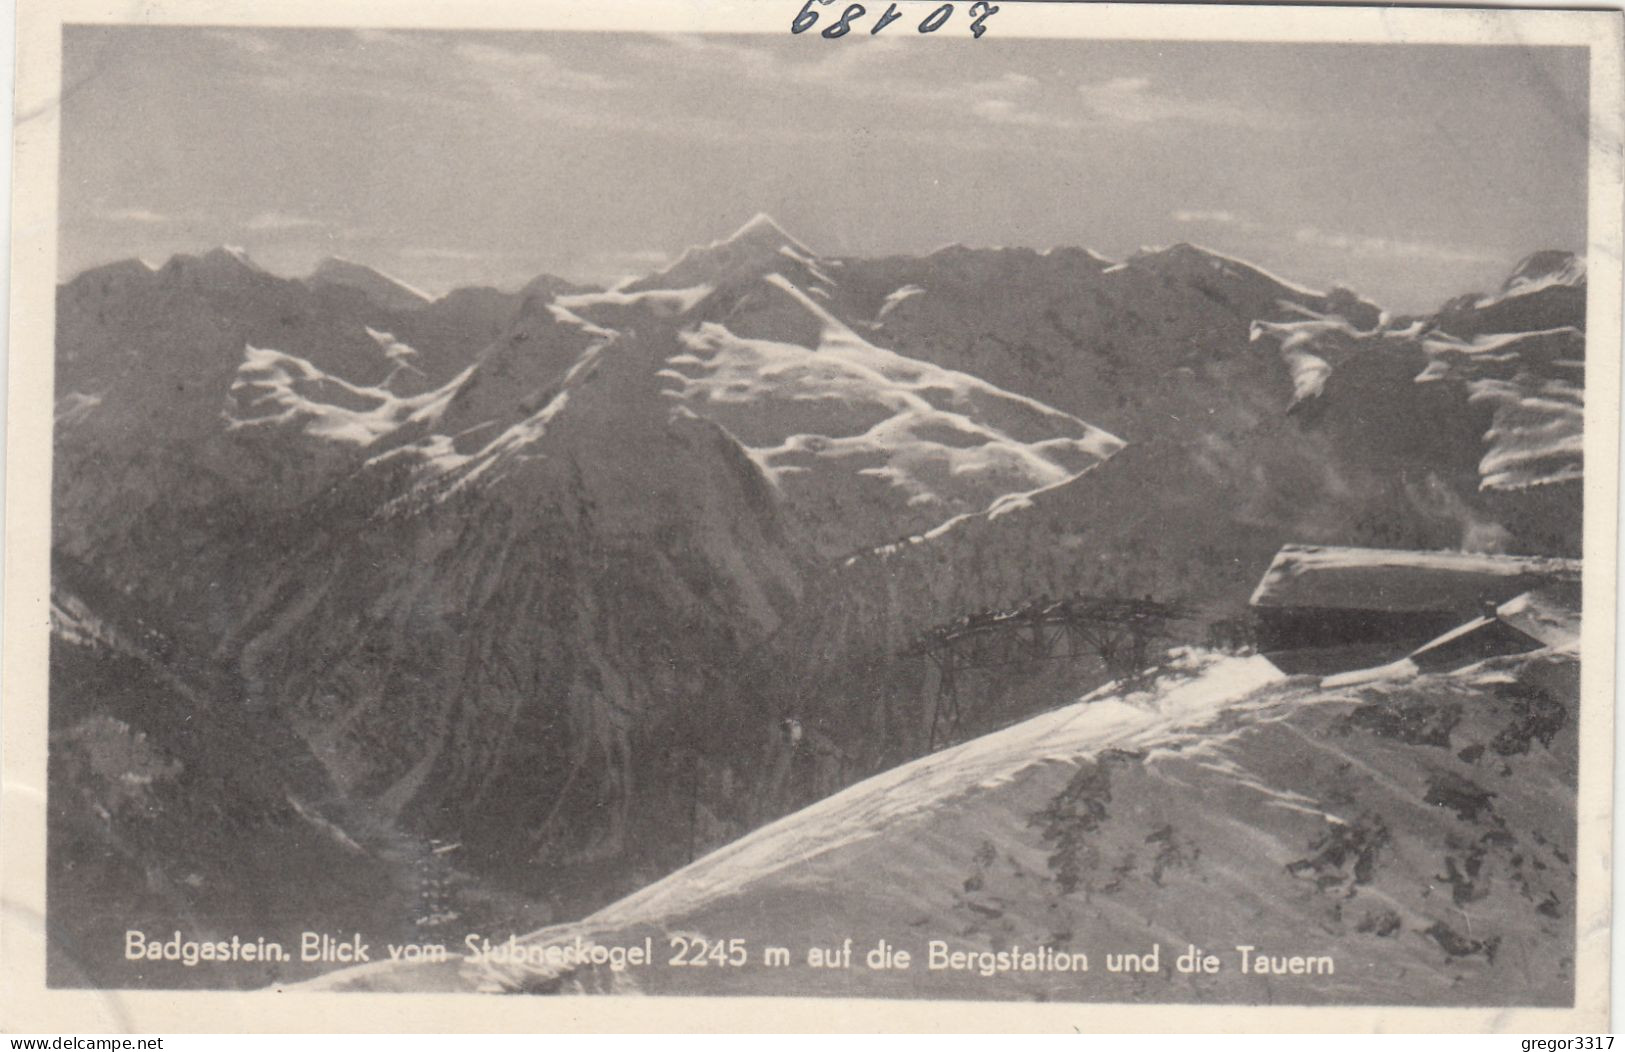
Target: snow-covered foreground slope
[1417, 832]
[885, 802]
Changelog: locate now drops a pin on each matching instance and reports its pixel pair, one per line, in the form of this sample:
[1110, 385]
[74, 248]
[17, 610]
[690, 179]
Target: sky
[1410, 173]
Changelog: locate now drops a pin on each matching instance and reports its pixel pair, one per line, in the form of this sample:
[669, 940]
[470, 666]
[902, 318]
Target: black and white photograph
[885, 503]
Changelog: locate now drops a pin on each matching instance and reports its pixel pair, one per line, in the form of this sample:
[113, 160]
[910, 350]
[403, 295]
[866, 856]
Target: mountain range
[493, 607]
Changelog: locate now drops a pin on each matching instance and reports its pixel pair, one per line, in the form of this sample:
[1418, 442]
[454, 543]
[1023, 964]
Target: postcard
[811, 516]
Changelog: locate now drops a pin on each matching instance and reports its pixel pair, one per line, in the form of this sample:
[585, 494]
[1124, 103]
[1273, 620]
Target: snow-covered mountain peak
[752, 250]
[225, 267]
[1186, 256]
[1546, 290]
[547, 286]
[1088, 253]
[224, 260]
[226, 254]
[1543, 269]
[109, 274]
[376, 285]
[764, 230]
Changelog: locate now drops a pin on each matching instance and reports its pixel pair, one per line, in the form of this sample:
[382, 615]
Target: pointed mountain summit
[763, 228]
[230, 257]
[546, 286]
[752, 250]
[380, 288]
[1543, 269]
[223, 267]
[119, 274]
[1196, 261]
[1248, 288]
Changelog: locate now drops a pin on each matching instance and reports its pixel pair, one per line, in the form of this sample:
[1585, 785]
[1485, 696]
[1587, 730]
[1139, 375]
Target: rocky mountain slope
[179, 394]
[1255, 413]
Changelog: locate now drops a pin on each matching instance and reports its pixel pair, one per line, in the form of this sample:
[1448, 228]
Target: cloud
[836, 68]
[371, 64]
[1352, 244]
[264, 223]
[271, 222]
[404, 67]
[877, 70]
[611, 266]
[1218, 217]
[1134, 100]
[1009, 111]
[884, 69]
[242, 40]
[1008, 99]
[460, 255]
[652, 257]
[1391, 248]
[1005, 83]
[383, 37]
[464, 76]
[519, 73]
[138, 215]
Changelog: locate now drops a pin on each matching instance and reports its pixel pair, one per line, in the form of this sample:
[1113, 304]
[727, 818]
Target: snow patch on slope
[1536, 383]
[277, 389]
[73, 407]
[588, 307]
[403, 357]
[1308, 370]
[1536, 437]
[942, 439]
[74, 622]
[895, 297]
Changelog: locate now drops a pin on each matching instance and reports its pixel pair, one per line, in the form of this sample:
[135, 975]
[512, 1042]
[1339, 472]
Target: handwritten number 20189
[980, 12]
